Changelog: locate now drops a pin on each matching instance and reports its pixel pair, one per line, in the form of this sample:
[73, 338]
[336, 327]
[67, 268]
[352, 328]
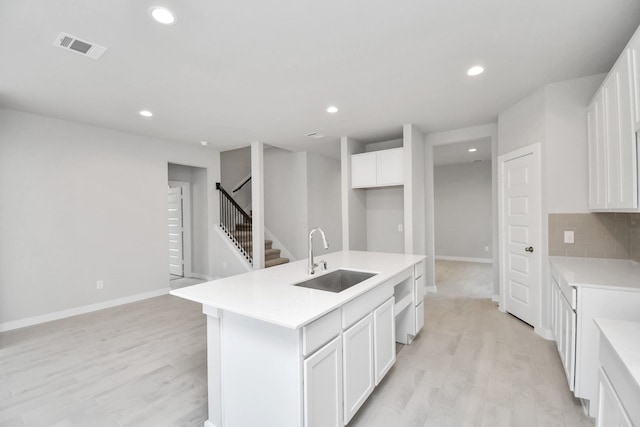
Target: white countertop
[269, 294]
[599, 272]
[624, 337]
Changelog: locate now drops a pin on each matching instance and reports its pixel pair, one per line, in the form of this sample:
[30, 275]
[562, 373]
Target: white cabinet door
[597, 160]
[621, 178]
[390, 167]
[357, 365]
[363, 170]
[610, 410]
[568, 349]
[634, 49]
[384, 340]
[323, 386]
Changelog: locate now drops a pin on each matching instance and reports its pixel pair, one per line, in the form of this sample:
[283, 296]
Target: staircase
[243, 234]
[237, 224]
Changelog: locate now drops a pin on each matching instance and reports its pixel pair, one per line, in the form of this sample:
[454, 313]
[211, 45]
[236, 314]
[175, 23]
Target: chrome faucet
[322, 264]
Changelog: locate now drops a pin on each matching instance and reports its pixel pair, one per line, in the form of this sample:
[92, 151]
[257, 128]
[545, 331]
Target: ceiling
[233, 72]
[457, 153]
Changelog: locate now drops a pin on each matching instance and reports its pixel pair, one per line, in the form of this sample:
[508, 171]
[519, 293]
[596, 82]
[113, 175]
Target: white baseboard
[495, 298]
[209, 424]
[466, 259]
[35, 320]
[432, 289]
[202, 276]
[545, 333]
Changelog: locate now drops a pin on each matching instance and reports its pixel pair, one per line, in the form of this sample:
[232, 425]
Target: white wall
[555, 116]
[197, 177]
[463, 210]
[235, 165]
[385, 211]
[285, 198]
[81, 204]
[567, 159]
[324, 200]
[302, 191]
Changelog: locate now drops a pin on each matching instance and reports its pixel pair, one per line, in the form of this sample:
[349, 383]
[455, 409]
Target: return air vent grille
[72, 43]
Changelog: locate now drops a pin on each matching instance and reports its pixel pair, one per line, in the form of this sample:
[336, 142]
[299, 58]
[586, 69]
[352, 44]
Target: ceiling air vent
[69, 42]
[314, 135]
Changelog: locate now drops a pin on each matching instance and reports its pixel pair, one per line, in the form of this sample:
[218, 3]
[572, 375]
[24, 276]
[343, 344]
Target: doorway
[463, 218]
[187, 224]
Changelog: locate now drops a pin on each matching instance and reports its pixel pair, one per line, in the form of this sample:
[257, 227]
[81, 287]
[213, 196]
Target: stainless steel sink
[336, 281]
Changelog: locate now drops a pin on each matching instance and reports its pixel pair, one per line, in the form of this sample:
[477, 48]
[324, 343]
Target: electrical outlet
[486, 248]
[224, 264]
[400, 227]
[99, 284]
[568, 236]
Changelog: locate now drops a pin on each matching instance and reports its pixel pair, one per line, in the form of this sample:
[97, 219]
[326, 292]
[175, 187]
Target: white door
[175, 232]
[357, 358]
[323, 386]
[520, 218]
[384, 330]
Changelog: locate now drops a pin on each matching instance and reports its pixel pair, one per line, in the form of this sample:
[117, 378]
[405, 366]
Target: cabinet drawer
[365, 304]
[320, 332]
[420, 269]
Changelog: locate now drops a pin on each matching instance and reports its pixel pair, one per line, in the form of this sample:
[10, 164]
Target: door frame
[535, 150]
[186, 224]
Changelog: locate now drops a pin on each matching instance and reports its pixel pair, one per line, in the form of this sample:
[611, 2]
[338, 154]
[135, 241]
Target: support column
[257, 203]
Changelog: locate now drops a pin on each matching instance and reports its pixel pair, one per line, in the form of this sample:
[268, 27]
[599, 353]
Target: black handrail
[236, 223]
[242, 184]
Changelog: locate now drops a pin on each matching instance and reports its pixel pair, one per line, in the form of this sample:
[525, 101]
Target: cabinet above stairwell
[377, 168]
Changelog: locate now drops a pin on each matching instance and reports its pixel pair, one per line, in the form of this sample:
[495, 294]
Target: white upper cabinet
[597, 158]
[634, 52]
[377, 168]
[389, 167]
[612, 119]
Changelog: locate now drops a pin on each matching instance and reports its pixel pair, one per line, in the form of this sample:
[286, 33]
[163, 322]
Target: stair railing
[236, 223]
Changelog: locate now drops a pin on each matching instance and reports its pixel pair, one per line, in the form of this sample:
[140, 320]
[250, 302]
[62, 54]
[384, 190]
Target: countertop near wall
[599, 272]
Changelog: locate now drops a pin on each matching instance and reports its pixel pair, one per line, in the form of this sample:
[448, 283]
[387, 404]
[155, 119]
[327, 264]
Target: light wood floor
[144, 364]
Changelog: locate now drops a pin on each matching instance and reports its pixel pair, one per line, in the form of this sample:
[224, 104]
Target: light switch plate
[568, 236]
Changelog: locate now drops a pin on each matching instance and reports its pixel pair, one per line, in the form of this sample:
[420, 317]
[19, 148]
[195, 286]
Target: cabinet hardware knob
[529, 249]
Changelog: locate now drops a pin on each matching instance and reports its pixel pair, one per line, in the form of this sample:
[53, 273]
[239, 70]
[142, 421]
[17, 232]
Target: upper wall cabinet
[612, 118]
[377, 168]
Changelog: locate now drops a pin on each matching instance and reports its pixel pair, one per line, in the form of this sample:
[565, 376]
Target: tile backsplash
[596, 235]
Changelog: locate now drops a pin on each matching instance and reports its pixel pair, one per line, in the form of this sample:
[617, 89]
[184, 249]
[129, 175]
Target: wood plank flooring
[144, 364]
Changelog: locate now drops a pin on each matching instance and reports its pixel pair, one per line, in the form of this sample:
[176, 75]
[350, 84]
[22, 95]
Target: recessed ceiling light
[475, 70]
[332, 109]
[473, 150]
[146, 113]
[162, 15]
[204, 143]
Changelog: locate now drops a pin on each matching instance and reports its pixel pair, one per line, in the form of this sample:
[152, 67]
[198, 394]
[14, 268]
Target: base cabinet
[323, 386]
[358, 366]
[610, 410]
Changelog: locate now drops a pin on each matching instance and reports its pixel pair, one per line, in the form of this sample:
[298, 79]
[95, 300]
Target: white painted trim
[202, 276]
[535, 150]
[284, 252]
[465, 259]
[35, 320]
[432, 289]
[232, 248]
[545, 333]
[495, 298]
[257, 201]
[209, 424]
[186, 224]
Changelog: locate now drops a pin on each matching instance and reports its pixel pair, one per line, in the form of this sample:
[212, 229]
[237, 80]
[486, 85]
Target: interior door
[176, 256]
[520, 230]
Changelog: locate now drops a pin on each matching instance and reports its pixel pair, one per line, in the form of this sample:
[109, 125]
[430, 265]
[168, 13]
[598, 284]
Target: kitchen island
[285, 355]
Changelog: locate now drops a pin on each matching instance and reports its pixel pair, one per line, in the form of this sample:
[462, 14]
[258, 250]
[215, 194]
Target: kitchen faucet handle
[322, 264]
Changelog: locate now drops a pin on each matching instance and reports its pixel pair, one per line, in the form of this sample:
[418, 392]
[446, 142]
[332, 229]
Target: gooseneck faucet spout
[322, 264]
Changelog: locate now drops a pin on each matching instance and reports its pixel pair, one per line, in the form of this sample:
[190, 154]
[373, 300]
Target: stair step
[269, 253]
[243, 226]
[274, 262]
